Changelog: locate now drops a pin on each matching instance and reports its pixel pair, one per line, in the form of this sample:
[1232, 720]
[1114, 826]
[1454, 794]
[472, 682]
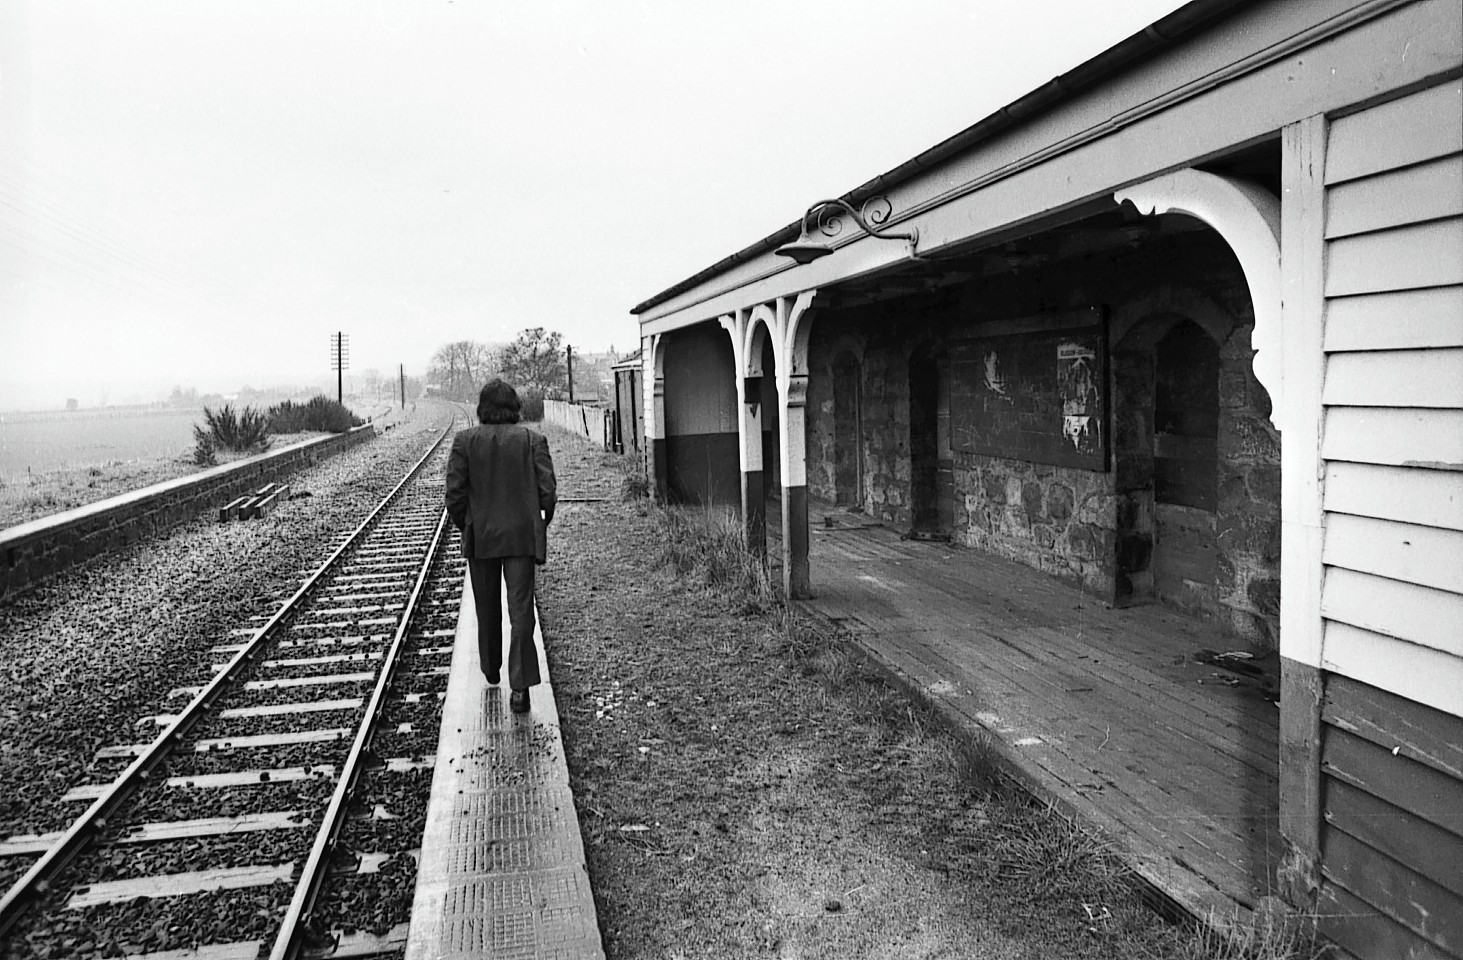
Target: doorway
[931, 465]
[848, 454]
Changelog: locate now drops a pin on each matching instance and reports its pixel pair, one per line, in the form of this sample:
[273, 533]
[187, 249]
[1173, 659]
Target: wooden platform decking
[1107, 712]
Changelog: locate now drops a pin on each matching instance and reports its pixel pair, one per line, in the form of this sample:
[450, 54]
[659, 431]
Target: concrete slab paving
[502, 870]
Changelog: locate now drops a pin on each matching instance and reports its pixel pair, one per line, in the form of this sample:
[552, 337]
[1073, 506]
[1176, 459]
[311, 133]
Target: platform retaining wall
[31, 552]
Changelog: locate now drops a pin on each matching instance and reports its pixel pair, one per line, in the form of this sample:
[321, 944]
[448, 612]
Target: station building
[1184, 326]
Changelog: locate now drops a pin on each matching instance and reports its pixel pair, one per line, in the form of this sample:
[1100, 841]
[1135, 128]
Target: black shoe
[492, 676]
[518, 701]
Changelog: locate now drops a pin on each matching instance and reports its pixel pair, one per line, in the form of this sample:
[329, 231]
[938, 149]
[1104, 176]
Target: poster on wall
[1038, 396]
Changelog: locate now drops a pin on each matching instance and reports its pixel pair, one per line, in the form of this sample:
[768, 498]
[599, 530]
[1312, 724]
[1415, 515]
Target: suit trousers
[487, 577]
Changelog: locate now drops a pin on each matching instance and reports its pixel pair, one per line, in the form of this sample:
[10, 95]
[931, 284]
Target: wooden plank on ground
[1396, 320]
[1189, 879]
[1405, 131]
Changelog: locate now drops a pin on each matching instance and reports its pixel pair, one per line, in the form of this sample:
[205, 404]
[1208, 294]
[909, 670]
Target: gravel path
[85, 656]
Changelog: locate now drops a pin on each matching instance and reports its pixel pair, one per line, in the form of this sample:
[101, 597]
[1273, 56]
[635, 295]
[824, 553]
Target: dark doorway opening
[1166, 429]
[931, 468]
[848, 459]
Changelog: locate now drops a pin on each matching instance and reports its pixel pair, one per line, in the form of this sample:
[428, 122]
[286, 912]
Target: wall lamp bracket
[876, 211]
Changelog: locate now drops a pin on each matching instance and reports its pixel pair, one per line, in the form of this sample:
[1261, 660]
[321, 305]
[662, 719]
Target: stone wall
[31, 552]
[1089, 528]
[1247, 528]
[1057, 519]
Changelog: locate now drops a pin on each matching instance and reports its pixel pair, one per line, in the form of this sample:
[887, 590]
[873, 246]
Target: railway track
[274, 812]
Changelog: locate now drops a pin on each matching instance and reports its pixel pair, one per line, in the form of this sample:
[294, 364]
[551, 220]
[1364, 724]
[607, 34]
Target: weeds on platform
[709, 544]
[943, 802]
[246, 431]
[317, 413]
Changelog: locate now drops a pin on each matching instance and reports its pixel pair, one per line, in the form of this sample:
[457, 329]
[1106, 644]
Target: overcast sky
[199, 194]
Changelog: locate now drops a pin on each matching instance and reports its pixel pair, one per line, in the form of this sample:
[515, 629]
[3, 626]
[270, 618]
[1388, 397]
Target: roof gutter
[1143, 45]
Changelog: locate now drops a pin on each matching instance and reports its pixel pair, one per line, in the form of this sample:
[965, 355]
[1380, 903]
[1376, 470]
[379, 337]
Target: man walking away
[501, 495]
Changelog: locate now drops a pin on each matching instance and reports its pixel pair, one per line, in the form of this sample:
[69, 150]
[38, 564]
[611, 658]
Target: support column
[749, 427]
[792, 396]
[1302, 257]
[754, 492]
[653, 364]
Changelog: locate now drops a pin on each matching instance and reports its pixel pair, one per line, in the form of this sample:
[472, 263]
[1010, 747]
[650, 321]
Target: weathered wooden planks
[1101, 708]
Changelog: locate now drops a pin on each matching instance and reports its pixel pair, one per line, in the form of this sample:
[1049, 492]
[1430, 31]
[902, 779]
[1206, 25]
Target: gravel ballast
[87, 655]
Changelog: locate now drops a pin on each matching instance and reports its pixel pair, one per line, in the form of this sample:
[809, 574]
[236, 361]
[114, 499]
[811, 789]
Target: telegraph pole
[339, 360]
[401, 373]
[569, 366]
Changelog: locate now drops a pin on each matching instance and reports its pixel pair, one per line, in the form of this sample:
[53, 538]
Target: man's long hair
[498, 403]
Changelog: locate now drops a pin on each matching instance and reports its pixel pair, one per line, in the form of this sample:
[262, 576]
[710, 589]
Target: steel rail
[36, 881]
[297, 918]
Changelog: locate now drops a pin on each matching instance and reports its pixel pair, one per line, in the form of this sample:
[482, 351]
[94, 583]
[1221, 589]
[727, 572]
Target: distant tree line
[533, 363]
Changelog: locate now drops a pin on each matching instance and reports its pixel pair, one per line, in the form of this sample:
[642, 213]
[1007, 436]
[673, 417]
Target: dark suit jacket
[501, 490]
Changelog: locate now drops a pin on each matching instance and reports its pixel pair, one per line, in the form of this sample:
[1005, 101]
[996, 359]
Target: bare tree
[535, 361]
[460, 368]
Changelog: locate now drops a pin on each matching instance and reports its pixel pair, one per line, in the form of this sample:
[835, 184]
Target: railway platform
[502, 871]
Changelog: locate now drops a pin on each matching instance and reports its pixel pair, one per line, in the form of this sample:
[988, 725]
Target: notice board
[1038, 396]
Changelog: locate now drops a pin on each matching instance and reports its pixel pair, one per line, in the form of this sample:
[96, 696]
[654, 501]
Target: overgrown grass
[317, 413]
[710, 545]
[1027, 854]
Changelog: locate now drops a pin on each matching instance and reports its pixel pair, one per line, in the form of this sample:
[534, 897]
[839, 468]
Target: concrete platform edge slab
[502, 869]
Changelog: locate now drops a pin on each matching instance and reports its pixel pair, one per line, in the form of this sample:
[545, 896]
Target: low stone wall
[591, 423]
[42, 548]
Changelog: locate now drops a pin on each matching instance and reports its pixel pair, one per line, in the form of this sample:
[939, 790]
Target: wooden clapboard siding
[1426, 908]
[1396, 724]
[1366, 932]
[1409, 130]
[1421, 615]
[1396, 320]
[1433, 498]
[1406, 437]
[1428, 556]
[1391, 850]
[1434, 852]
[1428, 191]
[1421, 673]
[1398, 780]
[1393, 806]
[1403, 258]
[1395, 378]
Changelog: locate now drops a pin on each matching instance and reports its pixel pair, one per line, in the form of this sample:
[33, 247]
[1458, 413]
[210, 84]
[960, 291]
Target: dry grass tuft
[710, 545]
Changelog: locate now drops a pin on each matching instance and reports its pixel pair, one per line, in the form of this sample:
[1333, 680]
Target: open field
[54, 461]
[32, 443]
